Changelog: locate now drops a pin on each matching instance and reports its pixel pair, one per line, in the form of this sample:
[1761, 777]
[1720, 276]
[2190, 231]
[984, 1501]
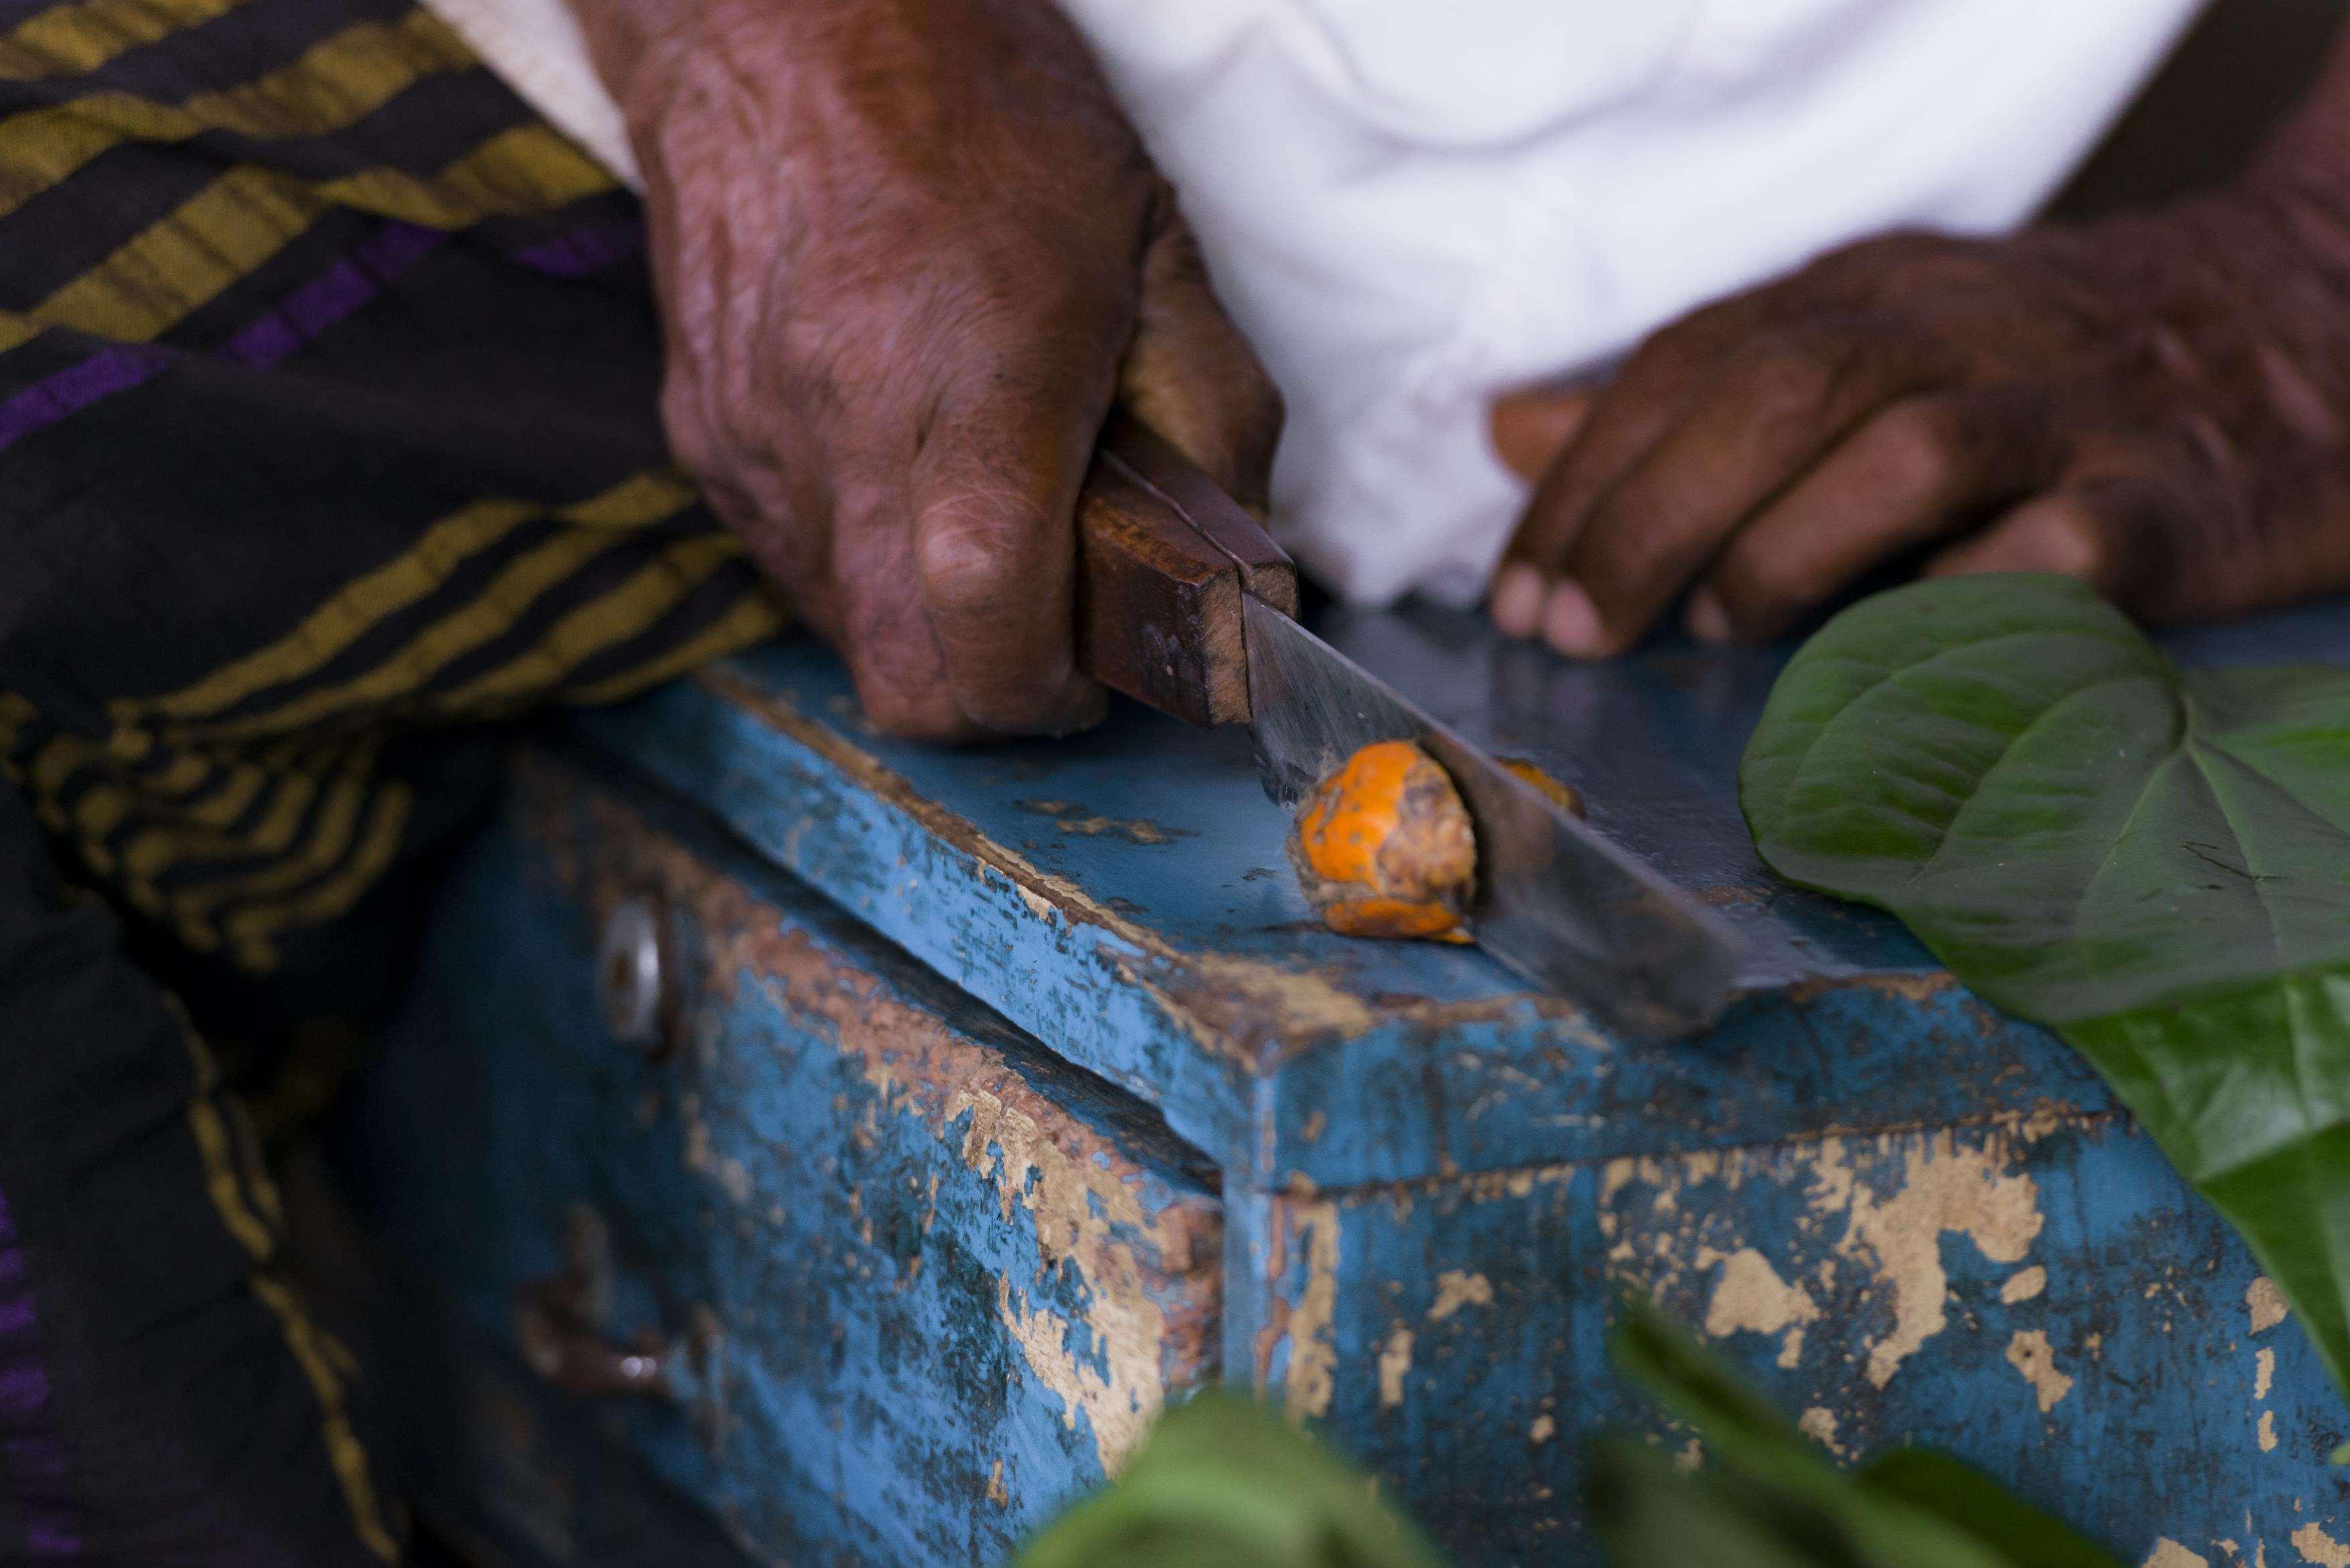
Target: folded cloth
[328, 433]
[1413, 207]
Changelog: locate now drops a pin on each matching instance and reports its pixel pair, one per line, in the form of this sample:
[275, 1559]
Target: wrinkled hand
[908, 252]
[2156, 403]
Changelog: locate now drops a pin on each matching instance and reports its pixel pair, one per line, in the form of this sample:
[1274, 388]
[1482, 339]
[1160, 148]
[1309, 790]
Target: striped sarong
[328, 429]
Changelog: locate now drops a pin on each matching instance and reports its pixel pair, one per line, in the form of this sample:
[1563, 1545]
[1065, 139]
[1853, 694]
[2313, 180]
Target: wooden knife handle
[1163, 556]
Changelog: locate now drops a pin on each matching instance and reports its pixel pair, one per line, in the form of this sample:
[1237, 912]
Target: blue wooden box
[840, 1149]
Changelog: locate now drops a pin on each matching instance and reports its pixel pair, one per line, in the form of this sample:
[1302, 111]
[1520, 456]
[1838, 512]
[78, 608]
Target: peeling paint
[1543, 1430]
[2315, 1546]
[1455, 1289]
[1150, 1278]
[2023, 1285]
[2267, 1432]
[1071, 817]
[1118, 1406]
[1394, 1363]
[1921, 985]
[2029, 1352]
[1947, 1187]
[1312, 1340]
[2169, 1553]
[2264, 1372]
[1750, 1296]
[1819, 1423]
[2265, 1302]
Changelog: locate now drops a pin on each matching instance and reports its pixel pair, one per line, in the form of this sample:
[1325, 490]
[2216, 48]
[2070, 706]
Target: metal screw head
[628, 977]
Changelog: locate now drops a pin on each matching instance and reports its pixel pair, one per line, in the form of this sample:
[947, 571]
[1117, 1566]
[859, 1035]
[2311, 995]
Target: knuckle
[971, 551]
[1917, 447]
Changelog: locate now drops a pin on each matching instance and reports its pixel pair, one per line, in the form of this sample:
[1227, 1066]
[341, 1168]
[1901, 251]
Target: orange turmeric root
[1384, 848]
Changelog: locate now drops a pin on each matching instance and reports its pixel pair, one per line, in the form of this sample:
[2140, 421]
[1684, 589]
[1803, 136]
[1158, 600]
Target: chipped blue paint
[2144, 1302]
[1392, 1139]
[842, 1254]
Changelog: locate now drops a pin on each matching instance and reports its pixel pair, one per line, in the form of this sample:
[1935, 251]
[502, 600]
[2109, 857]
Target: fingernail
[1571, 623]
[1517, 602]
[1706, 620]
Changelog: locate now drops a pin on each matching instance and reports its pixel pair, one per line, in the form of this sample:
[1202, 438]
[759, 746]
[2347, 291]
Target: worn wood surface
[916, 1282]
[1914, 1219]
[2041, 1295]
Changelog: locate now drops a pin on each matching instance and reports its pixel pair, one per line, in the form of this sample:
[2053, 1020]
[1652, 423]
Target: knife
[1185, 603]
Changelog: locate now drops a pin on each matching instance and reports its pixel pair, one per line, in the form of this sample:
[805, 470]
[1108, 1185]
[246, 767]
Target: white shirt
[1413, 205]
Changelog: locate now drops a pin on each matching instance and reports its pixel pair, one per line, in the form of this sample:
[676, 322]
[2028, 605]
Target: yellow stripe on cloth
[343, 800]
[70, 40]
[594, 627]
[752, 618]
[333, 86]
[504, 601]
[368, 601]
[227, 230]
[314, 1350]
[252, 931]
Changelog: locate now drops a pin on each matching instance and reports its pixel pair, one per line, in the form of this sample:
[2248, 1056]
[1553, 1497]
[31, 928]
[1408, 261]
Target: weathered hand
[2156, 403]
[907, 253]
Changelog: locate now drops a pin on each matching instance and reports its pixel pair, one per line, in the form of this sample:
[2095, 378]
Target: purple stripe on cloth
[590, 247]
[357, 278]
[359, 275]
[36, 1455]
[52, 1537]
[33, 1467]
[75, 387]
[24, 1389]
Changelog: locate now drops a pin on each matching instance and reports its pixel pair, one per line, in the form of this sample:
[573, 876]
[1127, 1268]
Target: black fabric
[327, 436]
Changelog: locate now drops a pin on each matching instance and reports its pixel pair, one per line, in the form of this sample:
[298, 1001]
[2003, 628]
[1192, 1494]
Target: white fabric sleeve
[1411, 208]
[536, 47]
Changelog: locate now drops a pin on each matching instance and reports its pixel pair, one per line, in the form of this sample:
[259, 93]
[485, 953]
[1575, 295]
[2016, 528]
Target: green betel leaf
[2155, 861]
[1223, 1482]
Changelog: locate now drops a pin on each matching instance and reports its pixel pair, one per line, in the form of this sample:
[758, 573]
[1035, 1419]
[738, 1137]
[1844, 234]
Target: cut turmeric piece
[1384, 846]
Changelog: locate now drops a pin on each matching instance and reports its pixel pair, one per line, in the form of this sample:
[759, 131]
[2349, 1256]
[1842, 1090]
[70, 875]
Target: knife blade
[1185, 604]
